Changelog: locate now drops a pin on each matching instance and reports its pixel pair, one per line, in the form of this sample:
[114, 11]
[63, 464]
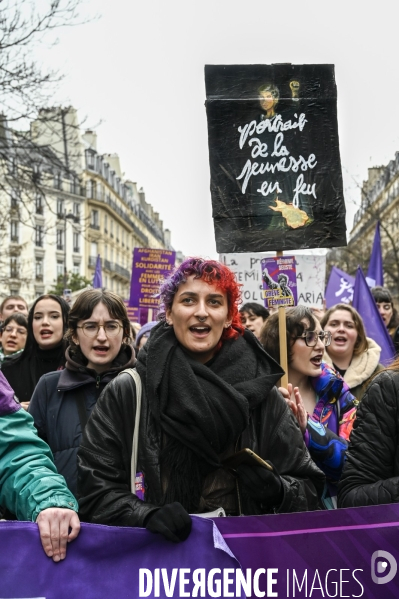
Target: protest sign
[310, 274]
[279, 281]
[276, 180]
[150, 267]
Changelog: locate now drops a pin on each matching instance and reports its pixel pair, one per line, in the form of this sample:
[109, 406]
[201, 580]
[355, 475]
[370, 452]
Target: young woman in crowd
[389, 313]
[208, 391]
[371, 472]
[253, 317]
[319, 398]
[13, 337]
[355, 356]
[99, 348]
[30, 487]
[44, 349]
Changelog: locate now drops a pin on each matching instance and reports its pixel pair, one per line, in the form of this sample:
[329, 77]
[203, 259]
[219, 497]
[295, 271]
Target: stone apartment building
[62, 204]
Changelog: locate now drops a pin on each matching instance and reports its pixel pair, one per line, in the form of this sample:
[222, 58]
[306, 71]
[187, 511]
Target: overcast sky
[138, 70]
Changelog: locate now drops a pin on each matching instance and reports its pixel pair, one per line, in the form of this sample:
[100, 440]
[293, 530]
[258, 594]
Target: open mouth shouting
[340, 340]
[200, 330]
[46, 333]
[316, 360]
[101, 350]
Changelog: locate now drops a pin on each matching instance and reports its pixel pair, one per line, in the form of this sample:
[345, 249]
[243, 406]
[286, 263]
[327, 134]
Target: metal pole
[65, 251]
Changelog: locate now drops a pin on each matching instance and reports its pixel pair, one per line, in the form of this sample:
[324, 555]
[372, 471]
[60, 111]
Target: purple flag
[98, 275]
[339, 288]
[375, 273]
[365, 304]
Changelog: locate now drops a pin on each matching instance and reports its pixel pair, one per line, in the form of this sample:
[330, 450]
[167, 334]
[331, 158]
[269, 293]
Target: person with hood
[352, 354]
[99, 348]
[44, 350]
[30, 487]
[208, 391]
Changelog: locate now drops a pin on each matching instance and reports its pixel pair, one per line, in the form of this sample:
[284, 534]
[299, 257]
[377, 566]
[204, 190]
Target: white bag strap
[133, 465]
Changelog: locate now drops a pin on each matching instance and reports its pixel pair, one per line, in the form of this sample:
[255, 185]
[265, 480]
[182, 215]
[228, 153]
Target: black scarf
[201, 409]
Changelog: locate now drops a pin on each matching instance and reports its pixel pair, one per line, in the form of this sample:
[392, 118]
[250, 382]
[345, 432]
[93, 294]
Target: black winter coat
[104, 458]
[371, 473]
[55, 410]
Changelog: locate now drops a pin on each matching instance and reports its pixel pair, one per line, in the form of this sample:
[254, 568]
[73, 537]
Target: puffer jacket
[55, 410]
[104, 458]
[29, 482]
[371, 472]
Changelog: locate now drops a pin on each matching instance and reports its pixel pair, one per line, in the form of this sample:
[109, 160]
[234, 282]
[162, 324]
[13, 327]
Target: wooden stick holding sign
[280, 291]
[282, 331]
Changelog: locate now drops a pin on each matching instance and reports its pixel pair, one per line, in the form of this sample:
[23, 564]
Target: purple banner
[279, 281]
[149, 267]
[107, 562]
[339, 288]
[335, 553]
[338, 553]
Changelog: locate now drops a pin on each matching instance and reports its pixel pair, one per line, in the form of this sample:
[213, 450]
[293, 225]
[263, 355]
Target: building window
[93, 249]
[60, 268]
[76, 242]
[60, 208]
[76, 210]
[105, 224]
[117, 233]
[112, 228]
[39, 269]
[58, 181]
[14, 199]
[14, 268]
[106, 252]
[94, 220]
[60, 239]
[39, 203]
[76, 268]
[90, 159]
[39, 236]
[14, 231]
[123, 238]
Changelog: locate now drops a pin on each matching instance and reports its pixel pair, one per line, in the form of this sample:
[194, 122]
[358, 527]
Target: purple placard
[279, 281]
[149, 267]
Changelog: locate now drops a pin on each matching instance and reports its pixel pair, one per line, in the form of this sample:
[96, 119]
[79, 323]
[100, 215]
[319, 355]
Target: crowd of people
[202, 422]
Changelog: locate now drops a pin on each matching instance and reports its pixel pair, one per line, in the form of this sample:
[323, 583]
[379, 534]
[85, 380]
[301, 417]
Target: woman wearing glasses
[317, 395]
[13, 337]
[98, 334]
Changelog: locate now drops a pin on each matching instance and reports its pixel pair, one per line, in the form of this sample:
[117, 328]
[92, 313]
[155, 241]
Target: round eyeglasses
[311, 338]
[91, 329]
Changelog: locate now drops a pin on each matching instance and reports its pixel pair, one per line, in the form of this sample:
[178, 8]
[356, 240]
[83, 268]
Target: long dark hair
[31, 344]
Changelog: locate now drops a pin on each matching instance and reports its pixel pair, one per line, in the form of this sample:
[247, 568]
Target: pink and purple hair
[213, 273]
